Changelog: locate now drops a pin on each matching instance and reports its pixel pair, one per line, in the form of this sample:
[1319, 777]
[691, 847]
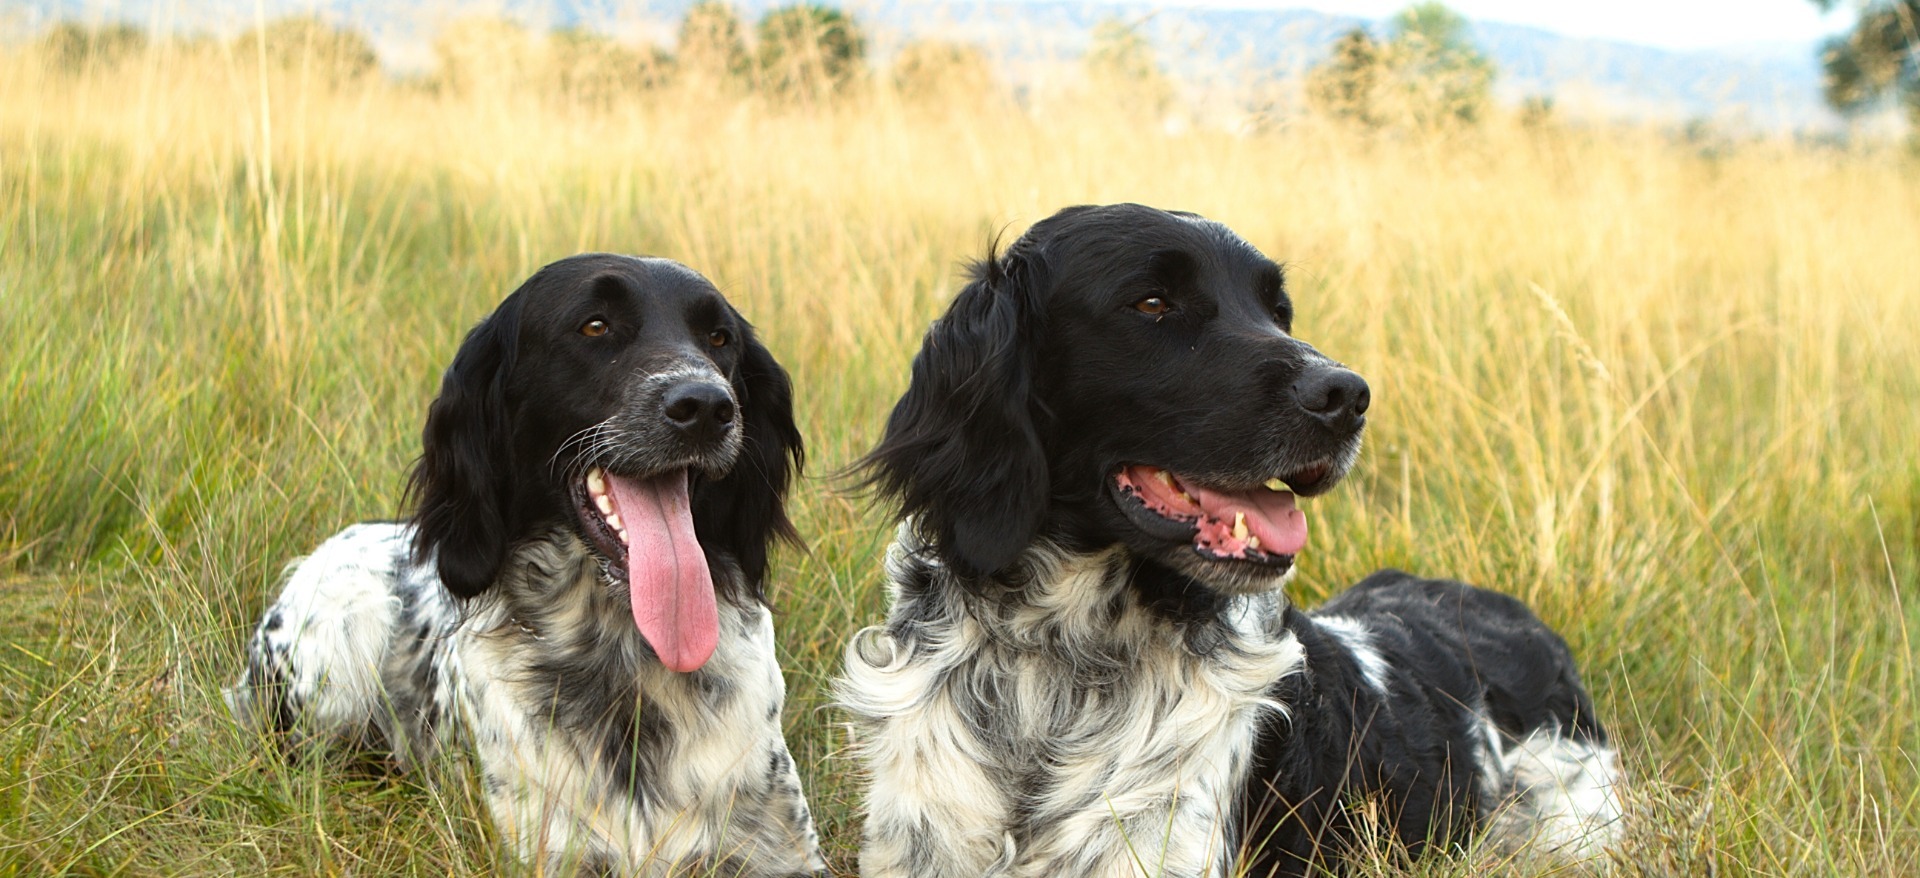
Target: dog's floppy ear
[961, 449]
[463, 480]
[746, 511]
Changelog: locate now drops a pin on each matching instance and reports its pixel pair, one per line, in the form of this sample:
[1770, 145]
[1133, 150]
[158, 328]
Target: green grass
[1667, 397]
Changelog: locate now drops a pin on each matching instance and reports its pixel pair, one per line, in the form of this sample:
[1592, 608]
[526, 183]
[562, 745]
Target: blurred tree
[711, 45]
[1121, 65]
[1344, 86]
[1438, 66]
[307, 43]
[488, 54]
[1880, 58]
[1536, 111]
[808, 49]
[71, 47]
[1428, 72]
[591, 65]
[942, 72]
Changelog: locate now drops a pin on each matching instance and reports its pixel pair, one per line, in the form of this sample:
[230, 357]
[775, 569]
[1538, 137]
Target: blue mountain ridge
[1771, 87]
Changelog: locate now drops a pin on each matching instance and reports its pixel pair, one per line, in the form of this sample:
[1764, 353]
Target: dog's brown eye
[1152, 305]
[719, 338]
[594, 328]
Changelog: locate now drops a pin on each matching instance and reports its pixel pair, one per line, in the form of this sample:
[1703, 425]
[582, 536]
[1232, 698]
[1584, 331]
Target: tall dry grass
[1668, 395]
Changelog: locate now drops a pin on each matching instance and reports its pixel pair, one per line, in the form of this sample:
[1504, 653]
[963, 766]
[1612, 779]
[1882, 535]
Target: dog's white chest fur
[1070, 732]
[594, 757]
[710, 779]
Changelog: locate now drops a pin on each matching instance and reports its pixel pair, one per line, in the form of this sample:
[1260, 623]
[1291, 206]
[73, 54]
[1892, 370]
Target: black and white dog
[579, 596]
[1089, 667]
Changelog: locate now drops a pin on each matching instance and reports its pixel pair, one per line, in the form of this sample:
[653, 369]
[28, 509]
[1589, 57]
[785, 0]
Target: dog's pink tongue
[666, 571]
[1269, 515]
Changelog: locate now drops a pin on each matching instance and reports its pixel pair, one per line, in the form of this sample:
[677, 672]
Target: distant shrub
[1345, 85]
[1440, 72]
[591, 65]
[809, 50]
[488, 54]
[1121, 65]
[712, 45]
[71, 47]
[1536, 111]
[308, 43]
[1879, 59]
[1427, 73]
[936, 71]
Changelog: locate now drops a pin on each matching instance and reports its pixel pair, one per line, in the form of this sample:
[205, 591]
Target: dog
[1089, 667]
[579, 595]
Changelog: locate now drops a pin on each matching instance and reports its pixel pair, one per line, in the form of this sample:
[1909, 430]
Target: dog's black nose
[1336, 396]
[700, 410]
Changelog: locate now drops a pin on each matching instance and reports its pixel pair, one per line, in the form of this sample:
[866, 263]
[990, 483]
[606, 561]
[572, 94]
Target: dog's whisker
[578, 438]
[590, 444]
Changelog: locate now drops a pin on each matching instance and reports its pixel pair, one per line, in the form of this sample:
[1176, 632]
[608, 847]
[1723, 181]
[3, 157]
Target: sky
[1670, 24]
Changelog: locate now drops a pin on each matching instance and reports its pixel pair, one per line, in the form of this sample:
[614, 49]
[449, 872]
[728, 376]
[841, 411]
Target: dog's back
[1436, 707]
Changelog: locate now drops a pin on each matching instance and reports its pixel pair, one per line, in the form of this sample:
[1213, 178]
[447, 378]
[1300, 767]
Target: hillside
[1772, 87]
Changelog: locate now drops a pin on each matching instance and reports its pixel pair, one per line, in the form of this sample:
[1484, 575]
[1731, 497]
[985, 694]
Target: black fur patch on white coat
[1060, 689]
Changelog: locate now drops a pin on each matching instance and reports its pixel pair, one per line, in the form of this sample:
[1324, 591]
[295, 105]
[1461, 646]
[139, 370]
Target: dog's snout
[1335, 396]
[701, 410]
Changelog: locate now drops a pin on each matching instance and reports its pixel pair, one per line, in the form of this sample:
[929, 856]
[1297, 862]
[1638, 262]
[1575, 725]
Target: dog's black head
[1121, 375]
[626, 399]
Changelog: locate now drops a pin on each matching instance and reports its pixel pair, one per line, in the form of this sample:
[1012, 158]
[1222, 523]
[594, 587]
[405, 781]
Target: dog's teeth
[623, 535]
[1276, 485]
[1240, 526]
[597, 489]
[613, 521]
[1253, 542]
[1166, 478]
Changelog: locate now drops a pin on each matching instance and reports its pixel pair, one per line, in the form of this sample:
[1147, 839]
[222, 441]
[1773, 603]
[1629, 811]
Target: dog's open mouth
[1259, 524]
[643, 527]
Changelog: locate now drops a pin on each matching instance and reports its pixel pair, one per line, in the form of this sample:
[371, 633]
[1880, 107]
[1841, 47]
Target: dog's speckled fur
[490, 620]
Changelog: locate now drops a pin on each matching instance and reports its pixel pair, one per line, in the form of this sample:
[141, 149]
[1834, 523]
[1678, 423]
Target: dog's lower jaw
[1234, 578]
[1060, 727]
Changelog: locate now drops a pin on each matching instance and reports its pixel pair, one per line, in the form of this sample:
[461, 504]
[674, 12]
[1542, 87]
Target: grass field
[1668, 394]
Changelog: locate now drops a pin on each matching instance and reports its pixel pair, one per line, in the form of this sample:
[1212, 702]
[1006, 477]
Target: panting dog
[579, 597]
[1089, 667]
